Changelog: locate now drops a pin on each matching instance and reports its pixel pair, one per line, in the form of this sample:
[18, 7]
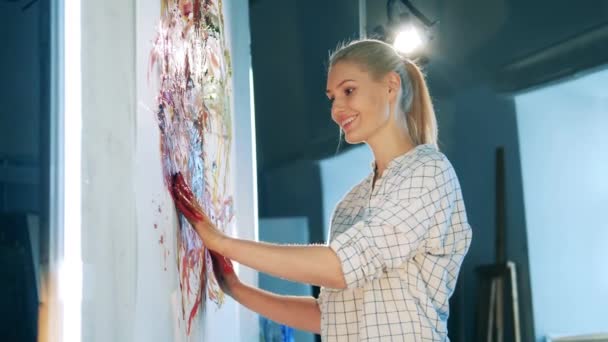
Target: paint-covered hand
[186, 203]
[224, 273]
[185, 200]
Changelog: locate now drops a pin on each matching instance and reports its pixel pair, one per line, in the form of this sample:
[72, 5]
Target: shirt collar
[397, 160]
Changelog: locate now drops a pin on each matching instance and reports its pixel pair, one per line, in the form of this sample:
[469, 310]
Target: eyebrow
[338, 86]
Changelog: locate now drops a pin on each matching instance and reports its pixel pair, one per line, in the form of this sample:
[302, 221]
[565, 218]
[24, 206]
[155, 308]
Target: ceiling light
[408, 40]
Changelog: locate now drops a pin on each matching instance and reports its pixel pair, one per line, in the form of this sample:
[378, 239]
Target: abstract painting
[192, 64]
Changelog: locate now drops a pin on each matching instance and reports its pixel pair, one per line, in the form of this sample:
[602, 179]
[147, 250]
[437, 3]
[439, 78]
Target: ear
[393, 81]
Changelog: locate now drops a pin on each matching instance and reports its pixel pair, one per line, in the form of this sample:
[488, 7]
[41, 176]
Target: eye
[348, 91]
[331, 99]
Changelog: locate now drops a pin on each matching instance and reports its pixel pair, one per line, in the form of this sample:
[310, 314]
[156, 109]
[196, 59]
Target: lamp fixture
[407, 29]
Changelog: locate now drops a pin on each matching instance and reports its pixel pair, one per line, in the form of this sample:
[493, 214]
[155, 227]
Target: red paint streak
[192, 314]
[193, 257]
[197, 12]
[185, 273]
[186, 7]
[161, 240]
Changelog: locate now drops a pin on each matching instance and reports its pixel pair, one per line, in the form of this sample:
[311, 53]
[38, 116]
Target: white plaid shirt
[401, 247]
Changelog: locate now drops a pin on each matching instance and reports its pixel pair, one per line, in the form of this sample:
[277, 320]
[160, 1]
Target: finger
[218, 271]
[193, 213]
[186, 202]
[181, 183]
[190, 199]
[216, 264]
[178, 182]
[228, 267]
[223, 262]
[179, 176]
[173, 192]
[186, 193]
[177, 198]
[185, 211]
[176, 179]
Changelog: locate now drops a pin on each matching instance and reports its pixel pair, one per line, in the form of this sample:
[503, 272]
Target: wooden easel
[493, 278]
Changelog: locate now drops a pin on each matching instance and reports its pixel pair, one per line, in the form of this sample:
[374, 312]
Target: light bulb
[408, 40]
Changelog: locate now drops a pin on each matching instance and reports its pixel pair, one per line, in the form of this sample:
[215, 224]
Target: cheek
[375, 108]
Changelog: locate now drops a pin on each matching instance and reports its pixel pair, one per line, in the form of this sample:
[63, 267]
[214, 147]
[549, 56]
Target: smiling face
[361, 105]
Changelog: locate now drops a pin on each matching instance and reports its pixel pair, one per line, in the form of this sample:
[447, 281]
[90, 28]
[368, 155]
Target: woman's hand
[224, 273]
[186, 203]
[317, 265]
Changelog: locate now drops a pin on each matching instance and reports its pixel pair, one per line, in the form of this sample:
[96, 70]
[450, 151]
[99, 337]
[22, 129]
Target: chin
[353, 139]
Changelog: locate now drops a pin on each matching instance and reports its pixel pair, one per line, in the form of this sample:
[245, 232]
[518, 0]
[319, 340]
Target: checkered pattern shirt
[401, 245]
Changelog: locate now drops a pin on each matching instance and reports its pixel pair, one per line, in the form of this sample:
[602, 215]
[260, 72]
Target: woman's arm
[298, 312]
[317, 265]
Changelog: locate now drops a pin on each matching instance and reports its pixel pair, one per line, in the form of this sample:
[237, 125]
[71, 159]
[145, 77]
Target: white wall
[563, 132]
[109, 228]
[245, 186]
[158, 314]
[130, 290]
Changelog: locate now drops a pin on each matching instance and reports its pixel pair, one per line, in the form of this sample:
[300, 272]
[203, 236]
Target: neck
[389, 145]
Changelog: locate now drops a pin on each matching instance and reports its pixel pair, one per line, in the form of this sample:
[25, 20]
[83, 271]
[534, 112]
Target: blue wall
[339, 175]
[472, 124]
[563, 132]
[20, 106]
[287, 230]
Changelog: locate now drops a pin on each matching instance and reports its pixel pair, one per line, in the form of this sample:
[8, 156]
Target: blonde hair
[380, 58]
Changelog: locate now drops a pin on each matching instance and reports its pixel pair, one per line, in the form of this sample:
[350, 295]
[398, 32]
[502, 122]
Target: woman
[397, 239]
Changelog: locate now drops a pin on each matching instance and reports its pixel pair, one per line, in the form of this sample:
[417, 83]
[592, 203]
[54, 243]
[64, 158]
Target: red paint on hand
[224, 263]
[185, 210]
[184, 199]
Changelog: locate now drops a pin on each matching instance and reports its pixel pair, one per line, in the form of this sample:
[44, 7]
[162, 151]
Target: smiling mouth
[348, 122]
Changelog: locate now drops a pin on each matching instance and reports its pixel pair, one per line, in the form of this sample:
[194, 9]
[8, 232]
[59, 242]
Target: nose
[337, 109]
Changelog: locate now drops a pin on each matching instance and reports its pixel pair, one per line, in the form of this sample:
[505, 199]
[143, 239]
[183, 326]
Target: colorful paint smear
[192, 63]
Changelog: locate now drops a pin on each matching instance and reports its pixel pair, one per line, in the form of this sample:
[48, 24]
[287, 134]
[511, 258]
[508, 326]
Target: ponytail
[421, 120]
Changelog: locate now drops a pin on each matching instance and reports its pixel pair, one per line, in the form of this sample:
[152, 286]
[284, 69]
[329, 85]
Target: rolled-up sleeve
[391, 233]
